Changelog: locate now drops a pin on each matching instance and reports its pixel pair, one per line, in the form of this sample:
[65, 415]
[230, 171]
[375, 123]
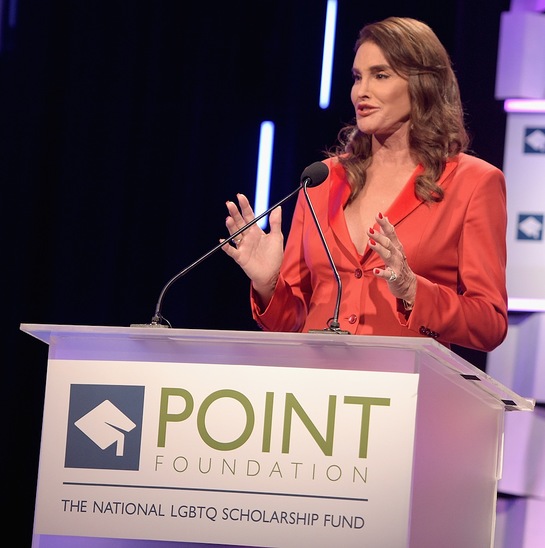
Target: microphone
[333, 325]
[313, 175]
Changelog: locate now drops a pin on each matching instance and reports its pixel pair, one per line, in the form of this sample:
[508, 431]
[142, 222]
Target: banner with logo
[524, 168]
[226, 454]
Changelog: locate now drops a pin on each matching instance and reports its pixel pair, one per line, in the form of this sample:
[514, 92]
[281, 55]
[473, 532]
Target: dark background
[126, 125]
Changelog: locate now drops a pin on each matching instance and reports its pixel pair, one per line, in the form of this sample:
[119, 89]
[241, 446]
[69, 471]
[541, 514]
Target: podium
[163, 437]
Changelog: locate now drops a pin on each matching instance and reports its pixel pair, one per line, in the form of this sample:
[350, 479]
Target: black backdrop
[126, 125]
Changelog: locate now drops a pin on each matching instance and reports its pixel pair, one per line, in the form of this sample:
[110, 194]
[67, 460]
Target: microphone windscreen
[316, 173]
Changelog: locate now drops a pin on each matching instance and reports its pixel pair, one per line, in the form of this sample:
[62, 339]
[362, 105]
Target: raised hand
[258, 253]
[401, 279]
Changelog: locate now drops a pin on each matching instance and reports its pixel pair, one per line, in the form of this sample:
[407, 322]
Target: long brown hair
[437, 129]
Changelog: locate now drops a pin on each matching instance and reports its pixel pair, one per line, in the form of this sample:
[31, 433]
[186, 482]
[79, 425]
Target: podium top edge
[46, 332]
[50, 333]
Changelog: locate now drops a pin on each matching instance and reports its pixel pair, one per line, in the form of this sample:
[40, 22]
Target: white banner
[524, 168]
[243, 455]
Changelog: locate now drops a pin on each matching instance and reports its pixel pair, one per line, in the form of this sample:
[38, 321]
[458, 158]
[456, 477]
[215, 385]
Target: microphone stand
[157, 319]
[333, 324]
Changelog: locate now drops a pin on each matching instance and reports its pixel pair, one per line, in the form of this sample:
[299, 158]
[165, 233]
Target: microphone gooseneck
[333, 324]
[313, 175]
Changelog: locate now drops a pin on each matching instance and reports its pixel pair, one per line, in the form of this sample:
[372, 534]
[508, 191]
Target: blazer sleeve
[474, 316]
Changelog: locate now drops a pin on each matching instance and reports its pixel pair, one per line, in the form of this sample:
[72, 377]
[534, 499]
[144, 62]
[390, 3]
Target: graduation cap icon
[106, 425]
[530, 227]
[535, 139]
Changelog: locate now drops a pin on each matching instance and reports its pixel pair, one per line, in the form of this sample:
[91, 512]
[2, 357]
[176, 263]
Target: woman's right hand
[258, 253]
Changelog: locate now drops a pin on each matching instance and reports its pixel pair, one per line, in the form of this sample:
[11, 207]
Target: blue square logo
[530, 226]
[534, 140]
[104, 427]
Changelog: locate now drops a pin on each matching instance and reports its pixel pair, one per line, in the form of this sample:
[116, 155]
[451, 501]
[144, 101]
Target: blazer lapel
[339, 193]
[403, 205]
[407, 201]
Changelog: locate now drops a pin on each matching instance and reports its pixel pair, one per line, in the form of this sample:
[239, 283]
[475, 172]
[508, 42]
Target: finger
[234, 213]
[387, 228]
[388, 274]
[229, 249]
[378, 237]
[384, 273]
[275, 221]
[388, 237]
[245, 208]
[378, 244]
[239, 216]
[230, 222]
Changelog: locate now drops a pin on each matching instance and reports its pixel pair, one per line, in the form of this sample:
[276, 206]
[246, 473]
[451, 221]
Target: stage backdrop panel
[524, 168]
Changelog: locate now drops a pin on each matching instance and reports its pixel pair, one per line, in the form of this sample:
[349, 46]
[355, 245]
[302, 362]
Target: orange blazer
[457, 249]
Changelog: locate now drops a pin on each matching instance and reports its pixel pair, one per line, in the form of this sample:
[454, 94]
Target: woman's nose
[363, 89]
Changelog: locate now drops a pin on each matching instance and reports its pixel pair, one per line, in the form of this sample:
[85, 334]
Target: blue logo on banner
[104, 427]
[534, 140]
[530, 227]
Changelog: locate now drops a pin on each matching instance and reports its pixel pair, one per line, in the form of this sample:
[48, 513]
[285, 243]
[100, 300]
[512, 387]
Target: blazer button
[352, 318]
[358, 273]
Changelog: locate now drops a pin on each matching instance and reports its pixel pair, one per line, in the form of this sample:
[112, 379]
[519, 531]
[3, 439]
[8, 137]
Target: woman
[415, 225]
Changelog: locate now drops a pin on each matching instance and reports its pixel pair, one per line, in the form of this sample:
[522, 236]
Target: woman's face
[379, 95]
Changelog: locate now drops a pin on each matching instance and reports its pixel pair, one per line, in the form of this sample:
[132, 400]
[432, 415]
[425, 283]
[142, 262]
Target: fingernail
[372, 242]
[380, 215]
[371, 231]
[376, 271]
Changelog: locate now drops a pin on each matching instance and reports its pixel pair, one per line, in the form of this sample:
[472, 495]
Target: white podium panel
[186, 437]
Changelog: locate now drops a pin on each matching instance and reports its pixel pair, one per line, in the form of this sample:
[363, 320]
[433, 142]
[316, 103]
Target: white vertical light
[264, 163]
[327, 57]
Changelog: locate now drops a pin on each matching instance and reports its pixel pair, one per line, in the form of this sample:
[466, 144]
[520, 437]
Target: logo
[530, 227]
[534, 140]
[104, 427]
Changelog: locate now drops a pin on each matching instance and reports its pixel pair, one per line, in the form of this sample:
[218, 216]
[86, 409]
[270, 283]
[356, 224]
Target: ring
[238, 241]
[393, 275]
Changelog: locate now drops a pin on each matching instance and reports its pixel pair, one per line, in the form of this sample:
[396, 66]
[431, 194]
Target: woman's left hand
[397, 273]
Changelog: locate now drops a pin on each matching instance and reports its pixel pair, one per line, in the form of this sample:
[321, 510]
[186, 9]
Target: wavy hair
[437, 130]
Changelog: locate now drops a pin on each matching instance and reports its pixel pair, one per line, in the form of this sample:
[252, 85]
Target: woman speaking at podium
[415, 225]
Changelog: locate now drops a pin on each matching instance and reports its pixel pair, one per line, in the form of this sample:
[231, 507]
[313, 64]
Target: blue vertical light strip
[12, 17]
[327, 57]
[8, 12]
[264, 163]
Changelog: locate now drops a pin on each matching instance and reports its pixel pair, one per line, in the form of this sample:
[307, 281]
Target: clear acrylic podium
[173, 437]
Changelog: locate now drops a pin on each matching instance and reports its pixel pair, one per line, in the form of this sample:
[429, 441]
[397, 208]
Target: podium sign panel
[181, 437]
[226, 453]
